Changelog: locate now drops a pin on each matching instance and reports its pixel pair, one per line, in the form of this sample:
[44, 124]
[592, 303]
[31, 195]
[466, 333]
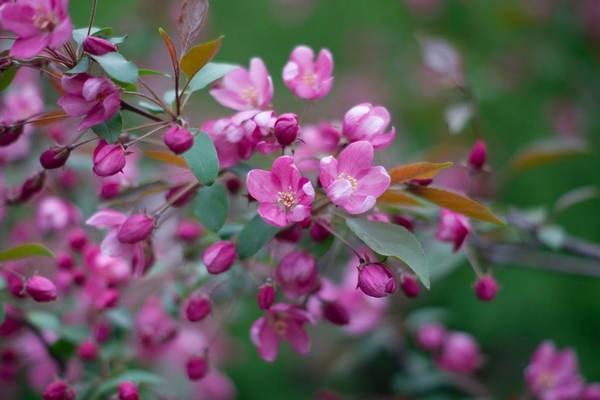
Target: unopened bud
[478, 155]
[266, 296]
[55, 157]
[10, 133]
[108, 159]
[336, 313]
[376, 280]
[136, 228]
[286, 129]
[219, 256]
[98, 46]
[87, 350]
[59, 390]
[128, 390]
[197, 368]
[178, 139]
[486, 288]
[410, 285]
[41, 289]
[197, 308]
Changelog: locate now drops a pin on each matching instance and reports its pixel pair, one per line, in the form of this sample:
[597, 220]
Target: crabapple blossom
[219, 256]
[178, 139]
[245, 89]
[297, 274]
[307, 78]
[370, 123]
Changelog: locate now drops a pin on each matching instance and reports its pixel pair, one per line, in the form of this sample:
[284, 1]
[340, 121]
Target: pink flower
[460, 353]
[376, 280]
[96, 99]
[281, 321]
[305, 78]
[154, 326]
[38, 24]
[351, 181]
[243, 89]
[98, 46]
[54, 214]
[128, 390]
[431, 336]
[283, 194]
[219, 256]
[297, 274]
[109, 159]
[368, 122]
[453, 228]
[552, 374]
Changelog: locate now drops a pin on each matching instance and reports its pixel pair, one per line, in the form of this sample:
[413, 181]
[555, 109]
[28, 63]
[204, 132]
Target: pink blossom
[96, 99]
[153, 325]
[306, 78]
[552, 374]
[245, 89]
[453, 228]
[368, 122]
[460, 353]
[591, 392]
[286, 129]
[281, 321]
[316, 142]
[219, 256]
[297, 274]
[54, 213]
[351, 181]
[38, 24]
[283, 194]
[431, 336]
[136, 228]
[376, 280]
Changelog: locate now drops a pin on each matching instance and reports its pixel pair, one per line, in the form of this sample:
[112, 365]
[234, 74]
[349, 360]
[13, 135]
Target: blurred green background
[523, 59]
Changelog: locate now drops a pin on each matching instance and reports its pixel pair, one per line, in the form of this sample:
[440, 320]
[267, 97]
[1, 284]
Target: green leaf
[24, 251]
[80, 34]
[210, 73]
[1, 313]
[147, 71]
[111, 129]
[552, 236]
[7, 76]
[117, 39]
[254, 236]
[117, 67]
[82, 66]
[394, 241]
[44, 320]
[202, 159]
[211, 206]
[137, 376]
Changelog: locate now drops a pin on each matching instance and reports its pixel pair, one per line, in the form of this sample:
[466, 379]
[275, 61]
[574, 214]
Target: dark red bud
[197, 368]
[486, 288]
[478, 155]
[286, 129]
[55, 157]
[410, 285]
[335, 313]
[197, 308]
[10, 134]
[266, 296]
[98, 46]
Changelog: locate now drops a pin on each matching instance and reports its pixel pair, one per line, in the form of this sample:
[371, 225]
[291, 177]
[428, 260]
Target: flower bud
[335, 313]
[297, 274]
[178, 139]
[136, 228]
[41, 289]
[109, 190]
[591, 392]
[128, 390]
[460, 354]
[404, 221]
[64, 261]
[486, 288]
[15, 283]
[291, 234]
[182, 198]
[102, 331]
[188, 231]
[453, 228]
[77, 239]
[376, 280]
[196, 367]
[219, 256]
[286, 129]
[98, 46]
[266, 296]
[107, 299]
[410, 285]
[55, 157]
[108, 159]
[478, 155]
[318, 232]
[87, 350]
[10, 133]
[197, 308]
[59, 390]
[431, 336]
[233, 184]
[13, 321]
[32, 185]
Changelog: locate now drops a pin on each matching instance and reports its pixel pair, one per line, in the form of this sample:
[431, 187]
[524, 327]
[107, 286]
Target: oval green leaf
[211, 206]
[392, 241]
[25, 251]
[254, 236]
[210, 73]
[110, 130]
[202, 159]
[117, 67]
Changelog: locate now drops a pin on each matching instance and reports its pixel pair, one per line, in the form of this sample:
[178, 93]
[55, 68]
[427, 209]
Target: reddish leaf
[199, 55]
[171, 48]
[190, 21]
[166, 158]
[398, 197]
[548, 152]
[418, 170]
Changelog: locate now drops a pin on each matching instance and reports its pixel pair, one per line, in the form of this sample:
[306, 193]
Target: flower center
[286, 199]
[310, 79]
[44, 20]
[546, 380]
[250, 94]
[280, 326]
[349, 178]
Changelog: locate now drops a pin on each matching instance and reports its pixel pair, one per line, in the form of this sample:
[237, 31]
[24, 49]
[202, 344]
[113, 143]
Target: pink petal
[328, 170]
[374, 182]
[237, 80]
[273, 214]
[26, 48]
[261, 186]
[286, 173]
[382, 141]
[359, 204]
[111, 246]
[17, 18]
[356, 157]
[304, 57]
[291, 71]
[298, 338]
[75, 106]
[106, 219]
[340, 191]
[62, 33]
[267, 340]
[229, 99]
[262, 81]
[299, 213]
[324, 64]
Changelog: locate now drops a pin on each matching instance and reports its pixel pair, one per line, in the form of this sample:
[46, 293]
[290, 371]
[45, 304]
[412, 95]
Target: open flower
[351, 181]
[245, 89]
[553, 374]
[297, 274]
[306, 78]
[97, 99]
[284, 195]
[38, 24]
[281, 321]
[368, 122]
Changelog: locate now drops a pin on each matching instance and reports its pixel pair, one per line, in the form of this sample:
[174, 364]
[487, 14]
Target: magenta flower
[283, 194]
[245, 89]
[460, 353]
[552, 374]
[281, 321]
[297, 274]
[96, 99]
[306, 78]
[431, 336]
[38, 24]
[351, 181]
[453, 228]
[368, 122]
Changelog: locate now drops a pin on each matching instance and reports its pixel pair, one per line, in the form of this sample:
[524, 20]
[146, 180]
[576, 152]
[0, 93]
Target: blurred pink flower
[315, 142]
[460, 353]
[553, 374]
[54, 213]
[453, 228]
[284, 195]
[297, 274]
[281, 321]
[245, 89]
[351, 181]
[219, 256]
[368, 122]
[431, 336]
[306, 78]
[38, 24]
